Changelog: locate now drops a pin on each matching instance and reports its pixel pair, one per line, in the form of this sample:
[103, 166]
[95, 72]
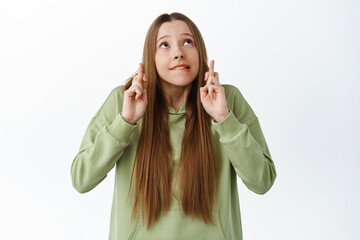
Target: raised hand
[212, 95]
[135, 98]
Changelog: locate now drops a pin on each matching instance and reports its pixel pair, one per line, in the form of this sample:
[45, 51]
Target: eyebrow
[186, 34]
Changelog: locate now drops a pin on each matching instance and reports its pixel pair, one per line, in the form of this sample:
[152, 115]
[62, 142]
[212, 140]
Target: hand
[212, 96]
[135, 98]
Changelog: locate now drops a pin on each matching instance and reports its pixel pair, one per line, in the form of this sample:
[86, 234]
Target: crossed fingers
[212, 77]
[137, 87]
[212, 81]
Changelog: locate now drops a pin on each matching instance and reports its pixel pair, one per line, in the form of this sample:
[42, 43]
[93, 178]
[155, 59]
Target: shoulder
[231, 90]
[112, 105]
[237, 103]
[118, 90]
[233, 94]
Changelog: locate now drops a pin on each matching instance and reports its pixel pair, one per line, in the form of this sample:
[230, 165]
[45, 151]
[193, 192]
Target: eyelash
[188, 40]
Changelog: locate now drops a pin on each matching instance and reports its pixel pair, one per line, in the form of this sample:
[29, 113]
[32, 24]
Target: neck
[175, 95]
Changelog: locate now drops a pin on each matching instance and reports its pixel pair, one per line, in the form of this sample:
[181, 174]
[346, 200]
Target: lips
[183, 67]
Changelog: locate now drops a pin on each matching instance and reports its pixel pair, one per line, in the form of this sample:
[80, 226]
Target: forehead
[173, 28]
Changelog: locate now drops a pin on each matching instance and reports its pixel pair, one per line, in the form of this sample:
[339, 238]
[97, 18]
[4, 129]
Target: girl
[184, 138]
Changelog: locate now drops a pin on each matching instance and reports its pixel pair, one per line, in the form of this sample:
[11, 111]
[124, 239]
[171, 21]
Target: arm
[242, 137]
[103, 144]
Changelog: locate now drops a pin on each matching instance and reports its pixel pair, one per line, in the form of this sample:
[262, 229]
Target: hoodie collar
[179, 111]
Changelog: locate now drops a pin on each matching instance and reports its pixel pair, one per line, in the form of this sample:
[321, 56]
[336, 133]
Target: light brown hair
[153, 162]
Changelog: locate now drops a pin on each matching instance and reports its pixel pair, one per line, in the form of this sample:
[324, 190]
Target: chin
[182, 82]
[178, 81]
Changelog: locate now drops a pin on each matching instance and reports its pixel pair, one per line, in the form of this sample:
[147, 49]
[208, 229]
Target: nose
[178, 53]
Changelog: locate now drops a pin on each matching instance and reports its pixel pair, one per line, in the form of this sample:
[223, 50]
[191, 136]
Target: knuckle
[138, 89]
[136, 84]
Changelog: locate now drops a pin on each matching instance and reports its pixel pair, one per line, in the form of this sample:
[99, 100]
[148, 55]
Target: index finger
[141, 71]
[211, 70]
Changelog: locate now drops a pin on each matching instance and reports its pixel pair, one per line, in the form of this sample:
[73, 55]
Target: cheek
[196, 61]
[195, 56]
[159, 62]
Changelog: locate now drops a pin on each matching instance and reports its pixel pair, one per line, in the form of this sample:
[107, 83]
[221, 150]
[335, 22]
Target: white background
[296, 62]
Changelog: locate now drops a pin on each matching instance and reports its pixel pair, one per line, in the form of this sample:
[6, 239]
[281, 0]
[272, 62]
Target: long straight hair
[153, 161]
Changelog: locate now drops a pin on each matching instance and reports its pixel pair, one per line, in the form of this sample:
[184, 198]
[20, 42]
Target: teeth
[182, 67]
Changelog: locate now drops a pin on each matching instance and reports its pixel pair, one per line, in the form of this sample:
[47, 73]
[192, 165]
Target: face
[176, 57]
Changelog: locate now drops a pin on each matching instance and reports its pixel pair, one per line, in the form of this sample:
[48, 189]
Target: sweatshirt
[109, 141]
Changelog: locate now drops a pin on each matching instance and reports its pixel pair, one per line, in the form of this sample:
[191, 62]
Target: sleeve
[242, 137]
[104, 141]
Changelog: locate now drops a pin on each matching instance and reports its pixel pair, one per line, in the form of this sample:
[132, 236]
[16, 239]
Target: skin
[175, 46]
[212, 95]
[135, 98]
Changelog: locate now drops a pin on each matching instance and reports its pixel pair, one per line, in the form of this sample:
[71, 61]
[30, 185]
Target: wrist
[128, 120]
[221, 117]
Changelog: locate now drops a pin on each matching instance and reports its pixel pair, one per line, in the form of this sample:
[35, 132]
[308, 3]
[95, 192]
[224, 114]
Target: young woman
[178, 139]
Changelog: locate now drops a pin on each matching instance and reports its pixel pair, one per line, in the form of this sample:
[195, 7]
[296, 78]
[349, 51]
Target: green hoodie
[110, 141]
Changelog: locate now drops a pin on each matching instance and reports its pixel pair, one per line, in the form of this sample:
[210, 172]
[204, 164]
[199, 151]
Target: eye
[188, 41]
[164, 44]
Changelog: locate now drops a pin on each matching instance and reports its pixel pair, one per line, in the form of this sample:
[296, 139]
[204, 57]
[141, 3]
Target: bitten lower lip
[183, 69]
